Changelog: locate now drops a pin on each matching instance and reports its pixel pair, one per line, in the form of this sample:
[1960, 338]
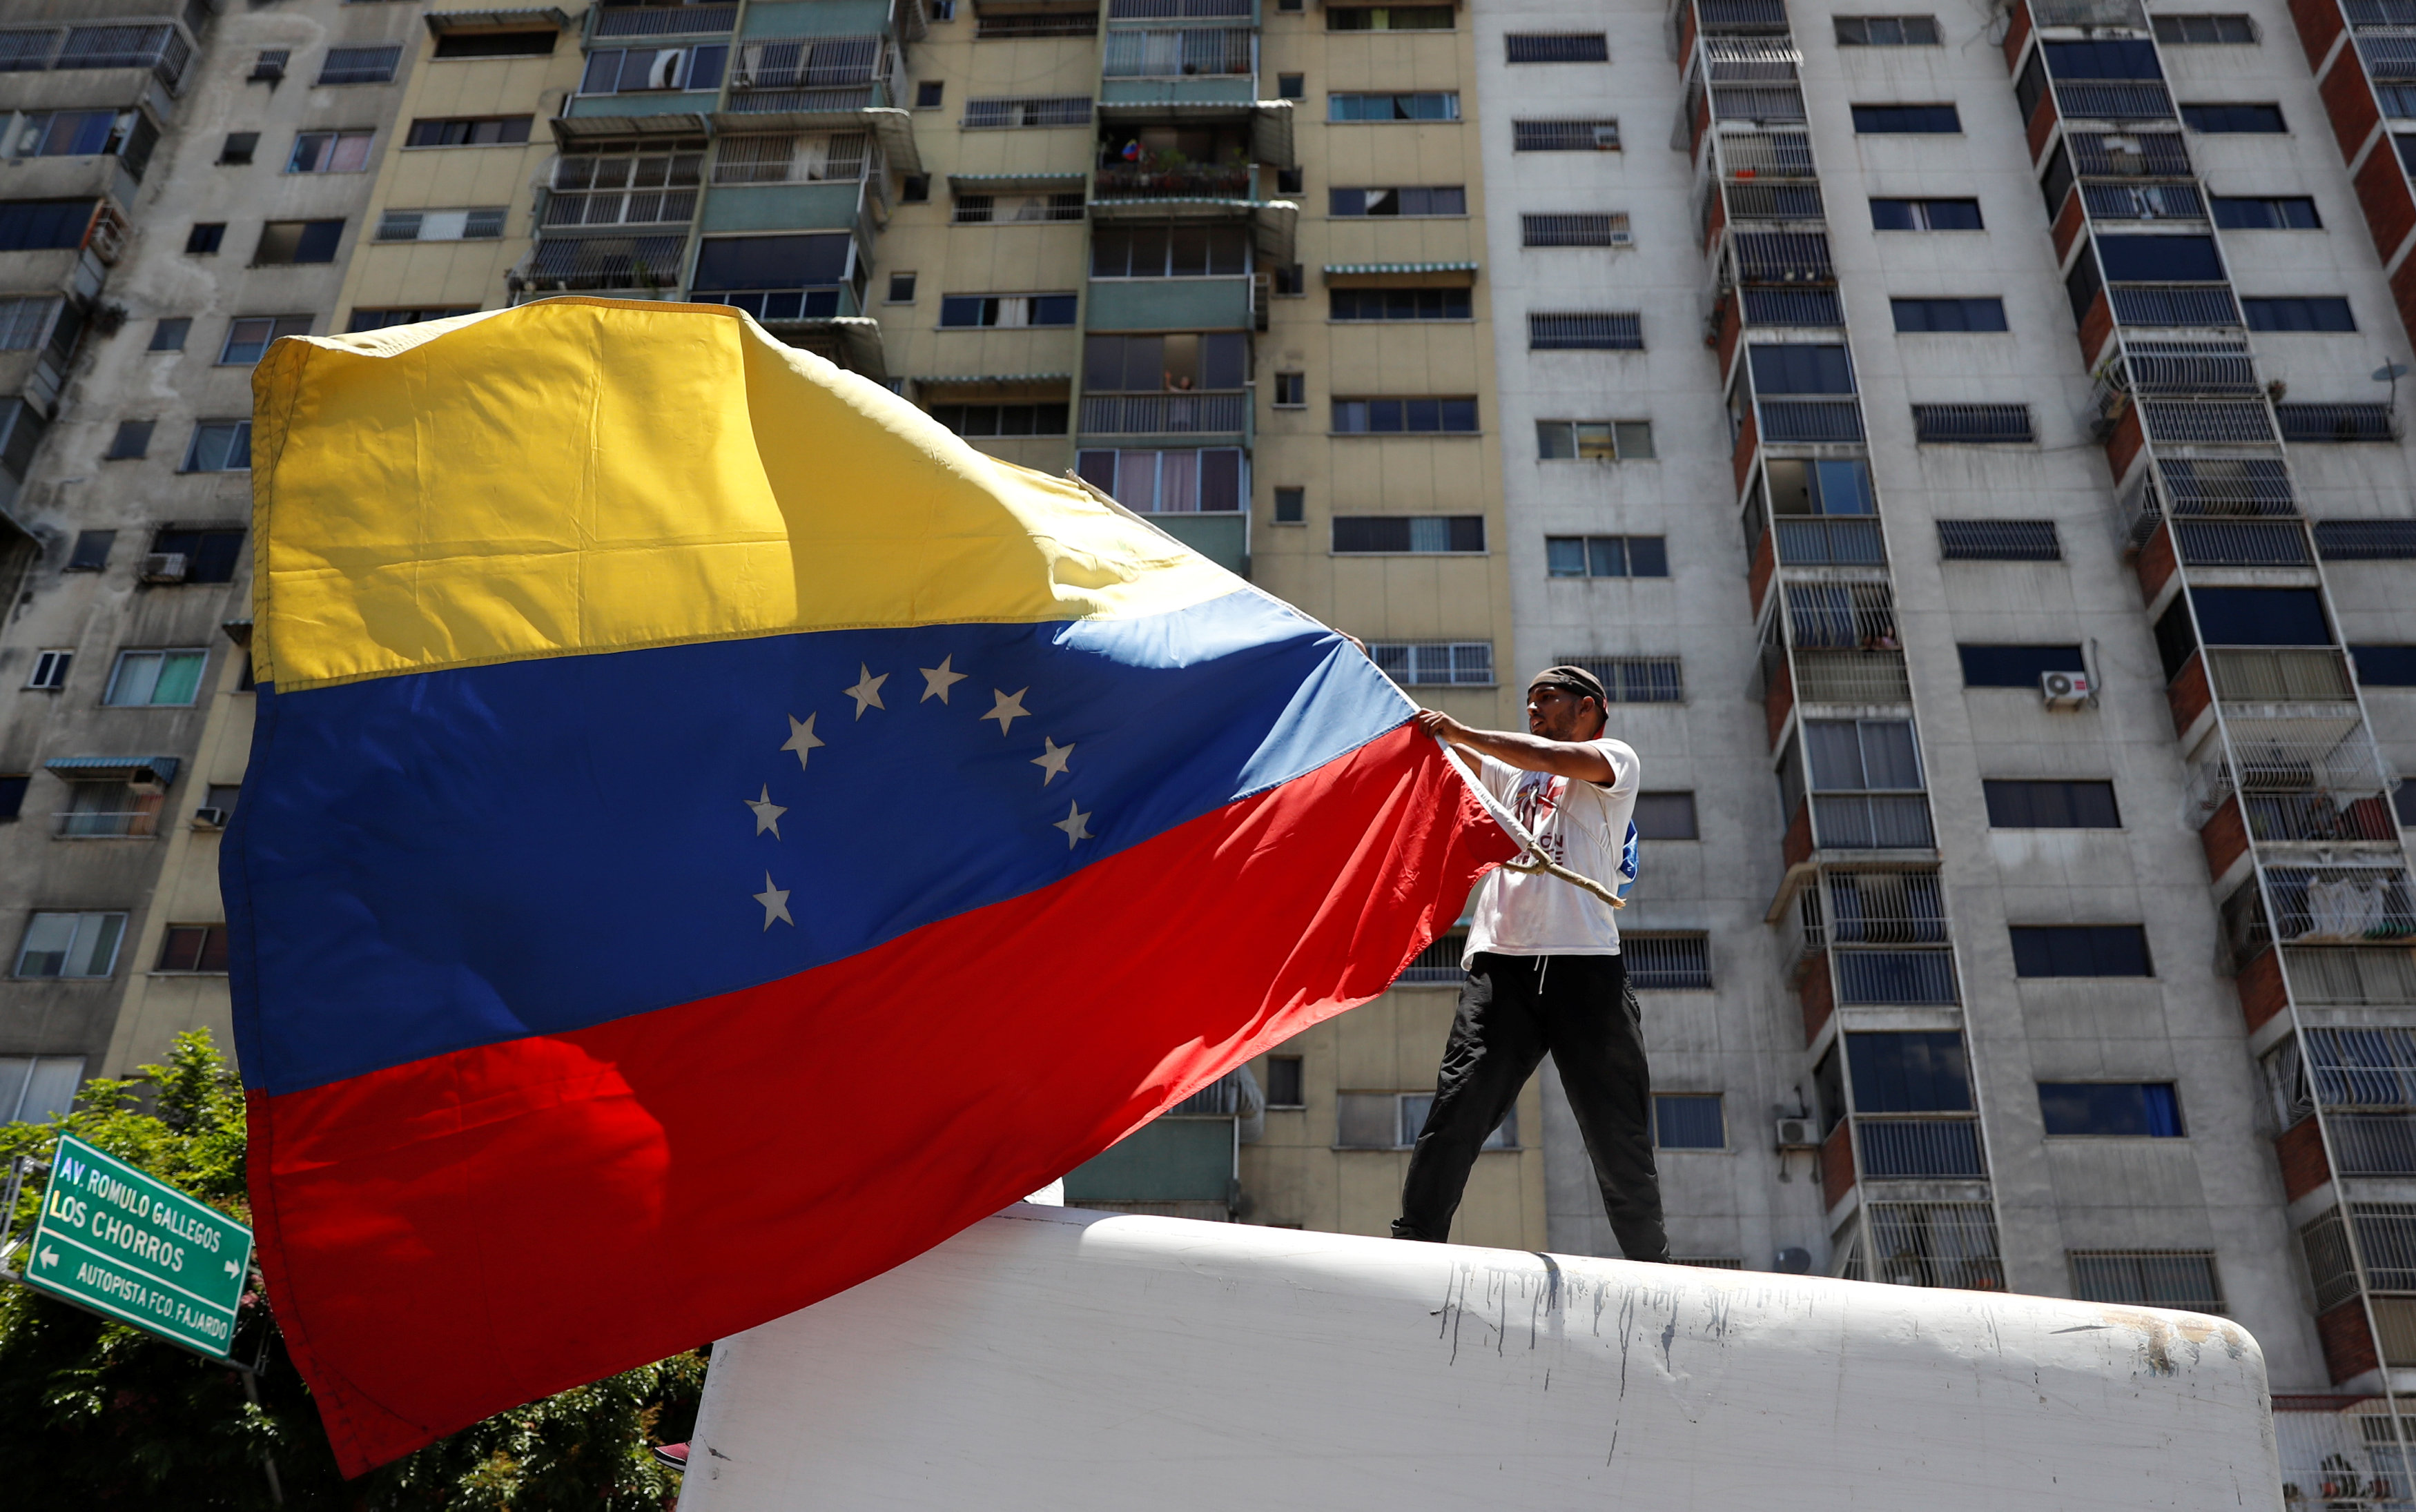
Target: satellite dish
[2390, 372]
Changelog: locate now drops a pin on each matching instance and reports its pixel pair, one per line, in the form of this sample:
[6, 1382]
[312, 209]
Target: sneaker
[673, 1455]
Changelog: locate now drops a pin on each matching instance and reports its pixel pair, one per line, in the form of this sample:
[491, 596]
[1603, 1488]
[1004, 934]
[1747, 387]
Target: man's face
[1557, 714]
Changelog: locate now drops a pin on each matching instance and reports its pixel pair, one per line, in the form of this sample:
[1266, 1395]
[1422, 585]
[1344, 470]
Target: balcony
[1764, 155]
[2143, 201]
[1175, 181]
[2320, 820]
[2124, 13]
[2262, 674]
[2338, 423]
[1811, 422]
[1782, 257]
[1763, 104]
[2174, 304]
[666, 21]
[2390, 57]
[2107, 100]
[1932, 1244]
[1716, 17]
[1190, 52]
[1872, 821]
[2340, 904]
[1792, 306]
[2184, 368]
[2241, 421]
[1165, 415]
[1851, 677]
[2240, 543]
[2145, 155]
[1897, 979]
[1757, 202]
[2238, 485]
[1919, 1148]
[2373, 1144]
[1830, 543]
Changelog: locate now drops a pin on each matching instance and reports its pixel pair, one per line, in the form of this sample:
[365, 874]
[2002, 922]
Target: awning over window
[152, 770]
[443, 22]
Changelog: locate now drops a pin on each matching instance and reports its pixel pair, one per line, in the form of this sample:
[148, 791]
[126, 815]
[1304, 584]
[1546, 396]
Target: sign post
[125, 1244]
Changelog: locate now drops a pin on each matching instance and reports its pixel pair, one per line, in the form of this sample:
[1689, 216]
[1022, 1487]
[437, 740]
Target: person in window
[1544, 968]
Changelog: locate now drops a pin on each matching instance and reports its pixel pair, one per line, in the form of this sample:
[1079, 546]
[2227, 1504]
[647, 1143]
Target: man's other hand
[1442, 726]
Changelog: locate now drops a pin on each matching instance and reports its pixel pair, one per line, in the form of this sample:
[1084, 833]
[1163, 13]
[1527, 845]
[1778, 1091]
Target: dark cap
[1576, 680]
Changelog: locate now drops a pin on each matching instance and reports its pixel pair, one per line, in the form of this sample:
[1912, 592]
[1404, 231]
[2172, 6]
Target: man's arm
[1528, 753]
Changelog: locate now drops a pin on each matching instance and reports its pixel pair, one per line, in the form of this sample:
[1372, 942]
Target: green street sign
[129, 1245]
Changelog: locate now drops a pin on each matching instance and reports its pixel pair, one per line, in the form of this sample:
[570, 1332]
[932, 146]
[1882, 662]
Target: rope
[1542, 863]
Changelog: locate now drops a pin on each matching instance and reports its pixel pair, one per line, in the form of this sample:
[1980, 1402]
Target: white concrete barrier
[1052, 1357]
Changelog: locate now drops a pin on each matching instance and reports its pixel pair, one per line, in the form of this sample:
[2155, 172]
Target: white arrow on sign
[50, 1257]
[233, 1269]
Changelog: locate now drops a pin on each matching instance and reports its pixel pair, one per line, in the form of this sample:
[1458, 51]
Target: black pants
[1514, 1010]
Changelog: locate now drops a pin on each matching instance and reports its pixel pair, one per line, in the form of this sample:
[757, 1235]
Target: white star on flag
[801, 739]
[867, 692]
[1073, 824]
[1009, 710]
[1052, 759]
[775, 903]
[938, 679]
[767, 813]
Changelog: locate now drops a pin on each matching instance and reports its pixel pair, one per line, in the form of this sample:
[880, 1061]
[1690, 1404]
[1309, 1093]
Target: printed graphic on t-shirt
[1536, 801]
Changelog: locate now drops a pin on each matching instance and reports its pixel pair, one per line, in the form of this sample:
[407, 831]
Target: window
[2016, 666]
[2182, 1280]
[2116, 1108]
[27, 319]
[1926, 215]
[1862, 756]
[2233, 118]
[1005, 312]
[70, 945]
[481, 224]
[1292, 391]
[195, 947]
[1589, 135]
[944, 10]
[1404, 417]
[2262, 616]
[1664, 816]
[539, 44]
[984, 209]
[2266, 213]
[2386, 667]
[1169, 252]
[2205, 30]
[298, 240]
[91, 552]
[1689, 1121]
[902, 289]
[1920, 1071]
[330, 151]
[1356, 535]
[268, 65]
[209, 555]
[468, 131]
[1906, 119]
[1982, 424]
[1291, 181]
[1440, 200]
[647, 70]
[87, 134]
[1391, 1121]
[248, 338]
[1927, 315]
[222, 797]
[1585, 331]
[915, 189]
[1285, 1085]
[2050, 804]
[1398, 305]
[2337, 422]
[1556, 47]
[1801, 367]
[927, 93]
[168, 335]
[131, 443]
[1053, 109]
[1292, 86]
[1595, 441]
[1436, 105]
[1291, 281]
[50, 672]
[359, 66]
[220, 446]
[2300, 313]
[205, 237]
[45, 225]
[378, 320]
[1606, 556]
[1419, 664]
[1174, 363]
[2365, 540]
[156, 679]
[12, 793]
[1999, 540]
[239, 147]
[35, 1089]
[1291, 508]
[1886, 31]
[1635, 678]
[1204, 481]
[2080, 950]
[1002, 419]
[1388, 18]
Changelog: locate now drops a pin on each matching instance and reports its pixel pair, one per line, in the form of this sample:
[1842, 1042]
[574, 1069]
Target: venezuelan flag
[711, 834]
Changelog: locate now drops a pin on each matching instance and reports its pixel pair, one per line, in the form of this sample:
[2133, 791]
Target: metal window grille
[1934, 1244]
[1227, 1096]
[792, 159]
[1772, 201]
[1851, 677]
[2181, 305]
[2366, 540]
[1872, 821]
[2242, 543]
[1438, 965]
[1586, 330]
[1889, 977]
[1783, 257]
[2207, 420]
[809, 62]
[359, 65]
[1895, 1149]
[1811, 421]
[1558, 47]
[1821, 541]
[606, 262]
[1636, 679]
[1999, 540]
[127, 47]
[1667, 963]
[2226, 486]
[1764, 155]
[1435, 663]
[2140, 155]
[1607, 229]
[1564, 136]
[2108, 100]
[1049, 110]
[2189, 368]
[666, 21]
[2143, 201]
[1891, 907]
[2127, 13]
[2350, 977]
[1793, 306]
[1190, 52]
[2337, 422]
[27, 52]
[1709, 1262]
[2382, 12]
[2182, 1278]
[1981, 423]
[1766, 104]
[1742, 15]
[2326, 1243]
[1044, 23]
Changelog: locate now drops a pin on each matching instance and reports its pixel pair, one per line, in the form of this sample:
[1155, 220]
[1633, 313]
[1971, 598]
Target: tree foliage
[94, 1413]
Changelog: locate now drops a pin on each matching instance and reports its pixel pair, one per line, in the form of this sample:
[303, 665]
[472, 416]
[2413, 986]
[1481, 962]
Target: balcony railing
[2239, 486]
[2145, 155]
[2243, 542]
[1176, 9]
[1896, 978]
[812, 63]
[1783, 257]
[643, 207]
[1761, 155]
[1716, 16]
[2389, 57]
[2128, 13]
[1793, 306]
[123, 824]
[1872, 821]
[1933, 1244]
[2373, 1144]
[1842, 617]
[2183, 421]
[665, 20]
[2143, 201]
[1772, 201]
[2175, 305]
[1757, 103]
[2260, 674]
[2319, 819]
[1226, 1097]
[1808, 422]
[1164, 414]
[2340, 904]
[2332, 757]
[1851, 677]
[805, 101]
[2184, 368]
[1920, 1148]
[2089, 99]
[1180, 181]
[1830, 543]
[1193, 52]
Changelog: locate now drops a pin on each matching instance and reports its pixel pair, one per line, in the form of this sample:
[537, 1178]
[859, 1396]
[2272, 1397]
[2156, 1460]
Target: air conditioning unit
[2064, 689]
[1606, 139]
[164, 567]
[209, 819]
[1798, 1134]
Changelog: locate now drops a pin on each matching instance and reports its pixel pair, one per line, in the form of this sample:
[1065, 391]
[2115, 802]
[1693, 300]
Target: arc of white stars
[767, 813]
[938, 679]
[867, 692]
[1008, 709]
[1051, 759]
[802, 737]
[1075, 825]
[775, 903]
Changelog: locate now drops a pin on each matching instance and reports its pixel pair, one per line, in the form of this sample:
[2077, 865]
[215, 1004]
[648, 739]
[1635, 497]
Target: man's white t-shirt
[1590, 827]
